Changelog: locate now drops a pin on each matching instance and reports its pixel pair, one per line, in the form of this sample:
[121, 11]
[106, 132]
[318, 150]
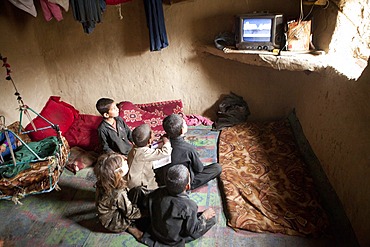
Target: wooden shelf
[293, 61]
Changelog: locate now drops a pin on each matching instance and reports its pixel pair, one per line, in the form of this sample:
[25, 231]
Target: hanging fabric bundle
[25, 5]
[62, 3]
[51, 10]
[232, 110]
[88, 13]
[156, 25]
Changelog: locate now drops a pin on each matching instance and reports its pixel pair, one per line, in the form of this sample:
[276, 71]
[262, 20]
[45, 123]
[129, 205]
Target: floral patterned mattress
[266, 184]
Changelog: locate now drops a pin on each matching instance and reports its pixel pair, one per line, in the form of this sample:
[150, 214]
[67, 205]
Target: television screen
[257, 29]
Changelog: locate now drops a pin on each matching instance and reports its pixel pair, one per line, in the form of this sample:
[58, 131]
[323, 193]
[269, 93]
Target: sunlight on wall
[349, 48]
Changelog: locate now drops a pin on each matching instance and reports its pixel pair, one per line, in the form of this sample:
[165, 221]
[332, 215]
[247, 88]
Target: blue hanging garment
[88, 13]
[156, 25]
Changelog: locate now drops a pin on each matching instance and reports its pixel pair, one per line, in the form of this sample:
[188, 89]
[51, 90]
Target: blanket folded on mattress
[265, 181]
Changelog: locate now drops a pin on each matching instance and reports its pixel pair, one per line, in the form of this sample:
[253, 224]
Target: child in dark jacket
[185, 153]
[174, 216]
[114, 134]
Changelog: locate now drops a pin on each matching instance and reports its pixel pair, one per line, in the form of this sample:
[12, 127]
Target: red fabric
[134, 116]
[163, 108]
[195, 120]
[57, 112]
[151, 113]
[80, 130]
[115, 2]
[84, 133]
[51, 10]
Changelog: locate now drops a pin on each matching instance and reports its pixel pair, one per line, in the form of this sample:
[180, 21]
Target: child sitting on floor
[114, 134]
[115, 211]
[174, 216]
[141, 160]
[141, 157]
[185, 153]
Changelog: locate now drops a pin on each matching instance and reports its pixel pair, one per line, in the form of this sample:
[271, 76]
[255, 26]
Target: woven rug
[68, 217]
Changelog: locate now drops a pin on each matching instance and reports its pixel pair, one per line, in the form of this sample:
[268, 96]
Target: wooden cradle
[40, 175]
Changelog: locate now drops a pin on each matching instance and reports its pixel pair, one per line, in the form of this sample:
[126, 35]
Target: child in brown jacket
[115, 211]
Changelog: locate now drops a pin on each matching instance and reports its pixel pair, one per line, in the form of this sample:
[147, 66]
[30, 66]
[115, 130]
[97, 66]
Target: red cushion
[84, 133]
[57, 112]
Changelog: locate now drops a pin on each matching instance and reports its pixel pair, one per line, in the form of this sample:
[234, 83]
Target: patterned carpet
[67, 217]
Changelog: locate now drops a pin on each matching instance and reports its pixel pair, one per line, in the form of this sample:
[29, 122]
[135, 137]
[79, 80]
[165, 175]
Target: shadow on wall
[135, 33]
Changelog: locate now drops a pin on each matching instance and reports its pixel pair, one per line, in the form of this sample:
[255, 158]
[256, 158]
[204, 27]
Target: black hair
[103, 105]
[172, 124]
[177, 178]
[141, 135]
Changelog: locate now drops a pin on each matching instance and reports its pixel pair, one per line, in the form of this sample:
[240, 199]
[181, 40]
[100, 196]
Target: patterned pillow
[163, 108]
[134, 116]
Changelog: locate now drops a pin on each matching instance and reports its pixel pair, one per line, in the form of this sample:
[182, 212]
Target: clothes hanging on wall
[51, 10]
[88, 13]
[62, 3]
[25, 5]
[156, 25]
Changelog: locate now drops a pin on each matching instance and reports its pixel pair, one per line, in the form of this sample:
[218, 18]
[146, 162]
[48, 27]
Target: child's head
[177, 179]
[174, 125]
[142, 135]
[110, 170]
[107, 107]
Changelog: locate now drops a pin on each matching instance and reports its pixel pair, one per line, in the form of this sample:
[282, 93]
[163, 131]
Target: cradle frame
[56, 162]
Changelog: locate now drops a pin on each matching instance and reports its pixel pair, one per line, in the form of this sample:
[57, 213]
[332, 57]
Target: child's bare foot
[209, 213]
[135, 232]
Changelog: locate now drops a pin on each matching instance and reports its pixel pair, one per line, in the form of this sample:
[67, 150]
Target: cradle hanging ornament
[22, 106]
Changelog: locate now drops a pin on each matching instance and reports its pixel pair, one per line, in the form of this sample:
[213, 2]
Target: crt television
[259, 31]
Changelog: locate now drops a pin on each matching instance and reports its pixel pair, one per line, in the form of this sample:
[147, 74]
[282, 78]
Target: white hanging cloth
[25, 5]
[62, 3]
